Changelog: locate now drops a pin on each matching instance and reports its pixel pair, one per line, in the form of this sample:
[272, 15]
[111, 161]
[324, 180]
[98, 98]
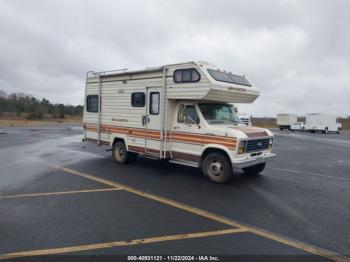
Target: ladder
[163, 126]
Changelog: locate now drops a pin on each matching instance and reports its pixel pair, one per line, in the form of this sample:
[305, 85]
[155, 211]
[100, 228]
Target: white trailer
[285, 121]
[322, 122]
[179, 112]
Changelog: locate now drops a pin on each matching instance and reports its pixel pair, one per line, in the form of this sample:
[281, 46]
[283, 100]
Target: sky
[296, 51]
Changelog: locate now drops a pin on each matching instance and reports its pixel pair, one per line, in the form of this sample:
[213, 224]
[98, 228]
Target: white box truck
[322, 122]
[285, 121]
[179, 112]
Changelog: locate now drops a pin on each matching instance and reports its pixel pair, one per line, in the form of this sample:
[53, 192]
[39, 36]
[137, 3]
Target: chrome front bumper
[251, 160]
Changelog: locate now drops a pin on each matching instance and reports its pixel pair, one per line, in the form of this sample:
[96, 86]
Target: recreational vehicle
[284, 121]
[178, 112]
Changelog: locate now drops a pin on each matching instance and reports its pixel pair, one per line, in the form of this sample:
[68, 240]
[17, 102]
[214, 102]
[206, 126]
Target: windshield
[218, 113]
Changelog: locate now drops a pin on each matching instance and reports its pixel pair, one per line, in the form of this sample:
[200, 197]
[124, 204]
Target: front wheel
[254, 170]
[121, 155]
[325, 131]
[217, 168]
[338, 131]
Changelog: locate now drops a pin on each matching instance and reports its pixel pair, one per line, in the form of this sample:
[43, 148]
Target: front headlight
[242, 146]
[270, 143]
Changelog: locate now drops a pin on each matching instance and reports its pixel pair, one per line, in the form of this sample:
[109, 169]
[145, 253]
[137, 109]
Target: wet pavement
[59, 195]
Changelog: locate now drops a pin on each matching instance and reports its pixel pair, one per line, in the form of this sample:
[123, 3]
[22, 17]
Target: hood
[251, 132]
[243, 131]
[239, 131]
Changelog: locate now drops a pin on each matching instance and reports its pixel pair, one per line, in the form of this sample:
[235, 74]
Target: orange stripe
[173, 137]
[203, 138]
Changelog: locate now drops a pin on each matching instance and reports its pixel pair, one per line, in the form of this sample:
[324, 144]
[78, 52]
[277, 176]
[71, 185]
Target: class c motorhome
[179, 112]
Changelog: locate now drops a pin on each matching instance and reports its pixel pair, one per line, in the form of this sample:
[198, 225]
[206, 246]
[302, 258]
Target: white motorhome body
[165, 112]
[284, 121]
[322, 122]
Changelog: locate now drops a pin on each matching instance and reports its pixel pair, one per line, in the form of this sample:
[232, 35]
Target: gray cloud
[295, 51]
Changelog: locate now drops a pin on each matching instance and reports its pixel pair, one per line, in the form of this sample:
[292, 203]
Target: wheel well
[117, 139]
[207, 151]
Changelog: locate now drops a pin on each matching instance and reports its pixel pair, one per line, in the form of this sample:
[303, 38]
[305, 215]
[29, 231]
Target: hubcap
[120, 152]
[215, 168]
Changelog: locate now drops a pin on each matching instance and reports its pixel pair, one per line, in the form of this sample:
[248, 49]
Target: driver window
[187, 114]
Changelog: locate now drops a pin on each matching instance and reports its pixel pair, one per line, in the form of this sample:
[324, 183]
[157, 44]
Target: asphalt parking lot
[59, 195]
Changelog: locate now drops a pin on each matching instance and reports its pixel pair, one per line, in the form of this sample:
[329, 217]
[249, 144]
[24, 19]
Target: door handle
[143, 120]
[176, 127]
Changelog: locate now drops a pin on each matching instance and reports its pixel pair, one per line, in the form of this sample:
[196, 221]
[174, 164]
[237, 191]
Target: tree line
[33, 108]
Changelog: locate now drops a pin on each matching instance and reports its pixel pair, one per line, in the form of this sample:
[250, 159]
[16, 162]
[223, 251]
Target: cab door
[152, 120]
[186, 140]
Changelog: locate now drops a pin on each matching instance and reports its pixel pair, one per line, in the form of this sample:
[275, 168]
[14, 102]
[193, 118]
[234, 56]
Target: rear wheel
[338, 131]
[325, 131]
[217, 168]
[254, 170]
[121, 155]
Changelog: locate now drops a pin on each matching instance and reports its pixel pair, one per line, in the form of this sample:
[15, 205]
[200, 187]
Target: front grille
[257, 145]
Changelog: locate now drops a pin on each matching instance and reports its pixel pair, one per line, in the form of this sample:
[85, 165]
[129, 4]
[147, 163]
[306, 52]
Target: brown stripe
[102, 142]
[131, 130]
[175, 155]
[181, 137]
[185, 156]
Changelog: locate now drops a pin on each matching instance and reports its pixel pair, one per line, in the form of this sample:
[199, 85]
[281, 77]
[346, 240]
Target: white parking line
[308, 173]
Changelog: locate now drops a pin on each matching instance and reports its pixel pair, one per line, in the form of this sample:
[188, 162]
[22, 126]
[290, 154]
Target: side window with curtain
[154, 103]
[189, 75]
[138, 99]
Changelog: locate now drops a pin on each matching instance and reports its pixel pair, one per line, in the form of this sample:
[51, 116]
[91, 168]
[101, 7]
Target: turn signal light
[242, 146]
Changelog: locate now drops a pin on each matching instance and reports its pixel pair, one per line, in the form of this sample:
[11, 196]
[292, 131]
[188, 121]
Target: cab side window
[188, 114]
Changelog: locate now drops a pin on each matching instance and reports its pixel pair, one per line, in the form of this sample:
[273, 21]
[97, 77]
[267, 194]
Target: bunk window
[138, 99]
[189, 75]
[92, 103]
[228, 77]
[154, 103]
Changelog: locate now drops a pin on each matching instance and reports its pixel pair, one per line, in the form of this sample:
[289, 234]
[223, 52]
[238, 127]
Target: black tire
[254, 170]
[281, 128]
[338, 131]
[325, 131]
[303, 129]
[217, 168]
[121, 155]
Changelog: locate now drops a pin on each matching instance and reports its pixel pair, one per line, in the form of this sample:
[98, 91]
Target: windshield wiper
[223, 121]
